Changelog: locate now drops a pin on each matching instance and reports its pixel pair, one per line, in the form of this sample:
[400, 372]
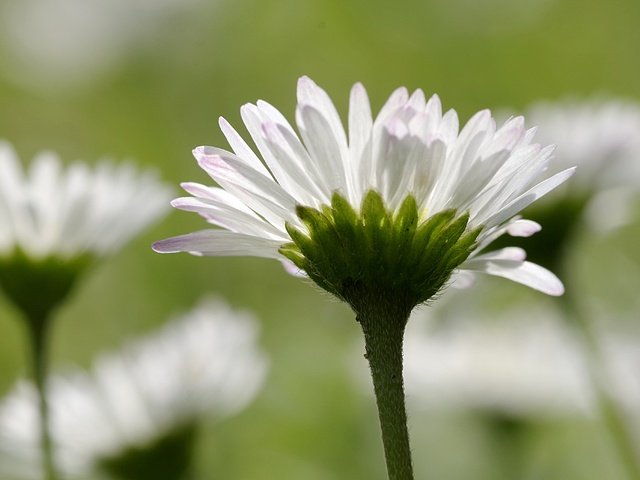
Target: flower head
[398, 205]
[516, 363]
[602, 137]
[519, 362]
[141, 405]
[55, 220]
[51, 211]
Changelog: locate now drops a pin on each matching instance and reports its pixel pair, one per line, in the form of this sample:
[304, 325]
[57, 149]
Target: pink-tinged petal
[507, 137]
[216, 194]
[433, 109]
[507, 263]
[220, 243]
[531, 275]
[261, 194]
[397, 99]
[523, 228]
[416, 102]
[253, 119]
[226, 216]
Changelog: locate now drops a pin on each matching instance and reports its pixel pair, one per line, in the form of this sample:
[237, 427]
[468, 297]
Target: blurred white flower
[67, 212]
[205, 363]
[52, 44]
[602, 137]
[516, 365]
[520, 362]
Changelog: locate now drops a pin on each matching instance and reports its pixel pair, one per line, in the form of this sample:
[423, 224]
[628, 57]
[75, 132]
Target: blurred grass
[310, 421]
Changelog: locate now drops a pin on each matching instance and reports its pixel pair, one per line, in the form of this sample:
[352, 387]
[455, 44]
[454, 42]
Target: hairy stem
[383, 335]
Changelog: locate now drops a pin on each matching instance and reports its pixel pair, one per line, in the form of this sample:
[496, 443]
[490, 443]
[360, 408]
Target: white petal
[323, 146]
[397, 99]
[529, 197]
[220, 243]
[253, 120]
[516, 227]
[295, 161]
[360, 119]
[360, 128]
[215, 193]
[228, 217]
[523, 228]
[512, 254]
[261, 194]
[240, 147]
[309, 94]
[462, 279]
[526, 273]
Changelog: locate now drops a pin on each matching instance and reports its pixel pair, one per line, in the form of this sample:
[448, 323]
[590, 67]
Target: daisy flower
[55, 220]
[602, 136]
[53, 211]
[411, 170]
[140, 407]
[381, 217]
[515, 363]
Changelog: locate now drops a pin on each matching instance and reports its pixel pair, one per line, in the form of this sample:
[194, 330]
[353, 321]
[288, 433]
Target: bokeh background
[148, 79]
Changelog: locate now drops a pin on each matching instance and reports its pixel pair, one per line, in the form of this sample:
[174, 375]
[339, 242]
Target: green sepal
[362, 257]
[463, 248]
[168, 457]
[427, 231]
[441, 241]
[375, 221]
[291, 251]
[38, 286]
[405, 226]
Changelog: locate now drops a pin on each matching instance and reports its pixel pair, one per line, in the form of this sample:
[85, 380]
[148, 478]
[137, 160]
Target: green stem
[38, 339]
[383, 345]
[610, 411]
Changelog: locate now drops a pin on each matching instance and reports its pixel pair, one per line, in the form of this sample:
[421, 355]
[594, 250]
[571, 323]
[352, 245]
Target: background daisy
[140, 408]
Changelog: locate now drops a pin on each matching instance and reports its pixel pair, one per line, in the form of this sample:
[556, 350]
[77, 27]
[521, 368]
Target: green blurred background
[156, 92]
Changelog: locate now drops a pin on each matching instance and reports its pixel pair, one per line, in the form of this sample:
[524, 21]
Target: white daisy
[602, 137]
[330, 202]
[515, 364]
[205, 363]
[520, 362]
[52, 211]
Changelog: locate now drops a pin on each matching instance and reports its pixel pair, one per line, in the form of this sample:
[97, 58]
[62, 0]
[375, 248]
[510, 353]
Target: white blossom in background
[53, 210]
[602, 137]
[521, 362]
[411, 148]
[205, 364]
